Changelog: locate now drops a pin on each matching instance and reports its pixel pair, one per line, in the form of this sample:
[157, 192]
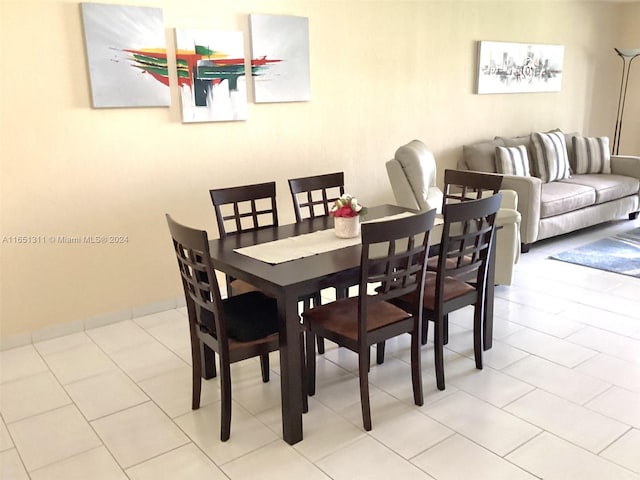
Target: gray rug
[619, 254]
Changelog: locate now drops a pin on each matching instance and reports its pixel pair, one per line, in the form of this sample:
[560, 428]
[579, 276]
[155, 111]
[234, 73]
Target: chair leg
[363, 370]
[208, 362]
[380, 353]
[416, 366]
[228, 280]
[304, 375]
[317, 300]
[438, 350]
[478, 346]
[225, 394]
[314, 301]
[445, 329]
[264, 367]
[311, 362]
[487, 316]
[196, 372]
[425, 330]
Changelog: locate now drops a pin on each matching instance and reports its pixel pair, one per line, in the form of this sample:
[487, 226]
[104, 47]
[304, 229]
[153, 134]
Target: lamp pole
[624, 53]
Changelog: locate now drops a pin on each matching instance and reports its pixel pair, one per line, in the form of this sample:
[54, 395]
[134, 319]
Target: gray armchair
[412, 174]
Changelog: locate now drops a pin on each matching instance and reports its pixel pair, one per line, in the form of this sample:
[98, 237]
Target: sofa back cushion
[550, 159]
[591, 155]
[568, 137]
[516, 141]
[512, 160]
[481, 156]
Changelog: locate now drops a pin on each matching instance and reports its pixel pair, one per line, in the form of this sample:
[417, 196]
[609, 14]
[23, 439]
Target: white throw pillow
[512, 161]
[550, 161]
[591, 155]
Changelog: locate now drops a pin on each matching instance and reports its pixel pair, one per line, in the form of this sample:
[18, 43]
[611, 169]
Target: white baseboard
[22, 339]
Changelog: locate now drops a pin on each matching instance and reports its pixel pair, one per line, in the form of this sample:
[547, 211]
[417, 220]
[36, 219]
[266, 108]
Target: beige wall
[382, 73]
[630, 38]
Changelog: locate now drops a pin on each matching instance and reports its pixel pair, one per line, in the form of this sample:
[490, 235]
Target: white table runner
[287, 249]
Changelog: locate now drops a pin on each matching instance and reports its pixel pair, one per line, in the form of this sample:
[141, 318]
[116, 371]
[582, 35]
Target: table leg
[290, 369]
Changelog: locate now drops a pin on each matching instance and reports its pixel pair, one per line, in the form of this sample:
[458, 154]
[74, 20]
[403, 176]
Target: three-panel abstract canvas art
[129, 65]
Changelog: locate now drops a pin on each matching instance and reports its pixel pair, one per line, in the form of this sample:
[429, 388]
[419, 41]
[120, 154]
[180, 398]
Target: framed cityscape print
[505, 67]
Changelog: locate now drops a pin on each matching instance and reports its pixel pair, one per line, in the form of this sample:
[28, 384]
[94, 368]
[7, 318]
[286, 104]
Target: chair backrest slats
[202, 292]
[313, 196]
[470, 249]
[255, 203]
[393, 260]
[463, 185]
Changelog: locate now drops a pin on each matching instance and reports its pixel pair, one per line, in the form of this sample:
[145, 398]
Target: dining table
[287, 282]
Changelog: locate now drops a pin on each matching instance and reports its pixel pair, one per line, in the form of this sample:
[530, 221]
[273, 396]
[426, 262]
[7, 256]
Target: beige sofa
[562, 206]
[412, 174]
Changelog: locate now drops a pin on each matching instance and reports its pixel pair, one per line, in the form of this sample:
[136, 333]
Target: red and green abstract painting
[212, 76]
[126, 55]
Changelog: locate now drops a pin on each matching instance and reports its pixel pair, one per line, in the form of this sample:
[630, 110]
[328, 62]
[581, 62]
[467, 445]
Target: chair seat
[238, 287]
[250, 316]
[453, 288]
[341, 316]
[272, 340]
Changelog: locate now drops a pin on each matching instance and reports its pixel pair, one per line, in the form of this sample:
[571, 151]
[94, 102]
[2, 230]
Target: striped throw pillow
[591, 155]
[550, 161]
[512, 161]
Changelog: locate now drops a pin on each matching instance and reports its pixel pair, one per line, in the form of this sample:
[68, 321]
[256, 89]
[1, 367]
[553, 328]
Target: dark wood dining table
[287, 282]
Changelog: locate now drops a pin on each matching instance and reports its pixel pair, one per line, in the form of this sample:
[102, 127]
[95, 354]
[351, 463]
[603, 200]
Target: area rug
[619, 253]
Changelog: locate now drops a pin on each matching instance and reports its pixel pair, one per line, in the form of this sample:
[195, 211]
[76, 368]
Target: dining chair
[393, 257]
[237, 328]
[241, 209]
[313, 197]
[462, 186]
[461, 277]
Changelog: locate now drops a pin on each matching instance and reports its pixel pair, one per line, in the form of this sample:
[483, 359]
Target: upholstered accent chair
[412, 173]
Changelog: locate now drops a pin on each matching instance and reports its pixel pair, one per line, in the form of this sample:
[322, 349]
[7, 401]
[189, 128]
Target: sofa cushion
[607, 186]
[516, 141]
[562, 197]
[550, 160]
[568, 137]
[591, 155]
[481, 156]
[512, 161]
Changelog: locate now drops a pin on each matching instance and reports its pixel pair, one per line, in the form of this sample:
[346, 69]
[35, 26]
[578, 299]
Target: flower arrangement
[347, 206]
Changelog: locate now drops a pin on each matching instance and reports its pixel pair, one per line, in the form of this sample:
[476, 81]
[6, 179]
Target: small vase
[347, 227]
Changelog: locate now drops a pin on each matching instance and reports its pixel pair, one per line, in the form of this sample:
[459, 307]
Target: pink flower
[347, 206]
[345, 211]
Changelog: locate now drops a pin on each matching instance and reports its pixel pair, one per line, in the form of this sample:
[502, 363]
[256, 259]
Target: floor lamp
[630, 54]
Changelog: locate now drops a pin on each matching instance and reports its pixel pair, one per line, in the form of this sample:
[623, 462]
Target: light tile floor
[559, 397]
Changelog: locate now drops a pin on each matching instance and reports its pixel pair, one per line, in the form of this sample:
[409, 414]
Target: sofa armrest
[509, 199]
[529, 191]
[627, 165]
